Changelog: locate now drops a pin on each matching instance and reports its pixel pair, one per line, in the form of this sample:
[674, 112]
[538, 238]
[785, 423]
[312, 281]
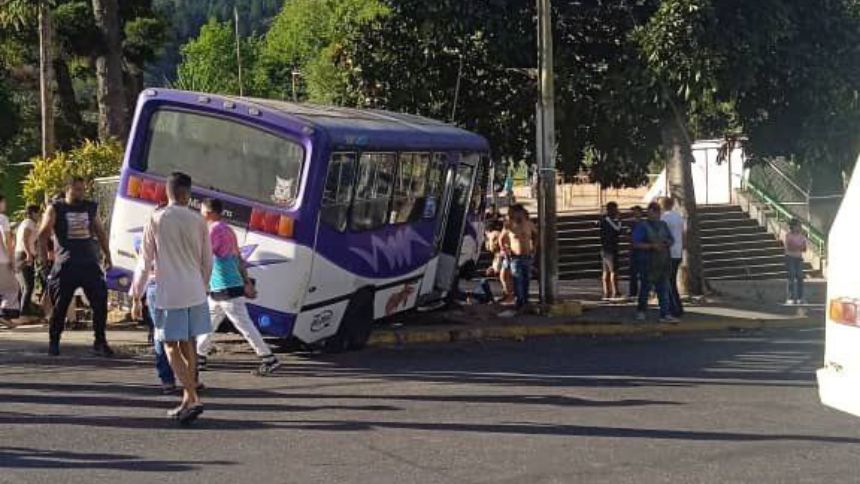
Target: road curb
[518, 332]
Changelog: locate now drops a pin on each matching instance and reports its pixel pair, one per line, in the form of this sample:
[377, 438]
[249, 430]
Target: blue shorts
[184, 324]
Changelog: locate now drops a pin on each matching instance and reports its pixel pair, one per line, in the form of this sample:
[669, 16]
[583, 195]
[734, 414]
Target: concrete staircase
[733, 246]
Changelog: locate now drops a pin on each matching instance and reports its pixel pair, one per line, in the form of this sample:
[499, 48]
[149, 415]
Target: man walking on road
[229, 287]
[78, 234]
[176, 241]
[678, 228]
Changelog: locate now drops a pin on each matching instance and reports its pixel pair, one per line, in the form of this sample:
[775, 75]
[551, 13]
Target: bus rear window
[225, 156]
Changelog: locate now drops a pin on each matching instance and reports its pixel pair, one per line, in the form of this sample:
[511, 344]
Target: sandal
[190, 414]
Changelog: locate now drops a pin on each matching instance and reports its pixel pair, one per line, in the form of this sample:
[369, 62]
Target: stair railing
[782, 214]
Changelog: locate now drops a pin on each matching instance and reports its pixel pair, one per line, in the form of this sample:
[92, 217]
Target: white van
[839, 379]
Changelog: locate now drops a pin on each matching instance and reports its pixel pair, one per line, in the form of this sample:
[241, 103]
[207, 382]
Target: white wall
[713, 182]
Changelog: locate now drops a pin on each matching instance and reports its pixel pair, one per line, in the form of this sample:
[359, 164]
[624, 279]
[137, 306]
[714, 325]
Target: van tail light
[844, 311]
[272, 223]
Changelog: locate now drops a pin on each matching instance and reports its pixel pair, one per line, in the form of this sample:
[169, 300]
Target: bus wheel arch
[356, 325]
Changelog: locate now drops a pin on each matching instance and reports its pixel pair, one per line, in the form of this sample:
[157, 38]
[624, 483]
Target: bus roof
[370, 128]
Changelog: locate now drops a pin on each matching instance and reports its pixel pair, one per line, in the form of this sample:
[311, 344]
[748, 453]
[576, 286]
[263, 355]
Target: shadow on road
[27, 458]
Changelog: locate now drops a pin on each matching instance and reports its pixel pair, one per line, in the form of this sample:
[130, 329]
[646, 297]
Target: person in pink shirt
[795, 246]
[229, 289]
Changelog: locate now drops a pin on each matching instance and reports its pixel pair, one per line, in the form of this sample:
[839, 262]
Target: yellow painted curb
[519, 332]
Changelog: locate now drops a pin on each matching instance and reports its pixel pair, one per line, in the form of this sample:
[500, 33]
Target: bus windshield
[225, 156]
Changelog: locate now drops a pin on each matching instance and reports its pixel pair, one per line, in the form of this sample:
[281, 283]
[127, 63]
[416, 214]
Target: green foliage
[308, 36]
[143, 39]
[187, 17]
[785, 73]
[76, 30]
[209, 62]
[9, 114]
[90, 160]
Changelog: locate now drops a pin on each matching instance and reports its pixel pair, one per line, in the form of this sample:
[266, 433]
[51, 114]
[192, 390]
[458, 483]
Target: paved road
[727, 408]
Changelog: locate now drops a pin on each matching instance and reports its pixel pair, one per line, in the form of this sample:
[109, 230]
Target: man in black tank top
[79, 236]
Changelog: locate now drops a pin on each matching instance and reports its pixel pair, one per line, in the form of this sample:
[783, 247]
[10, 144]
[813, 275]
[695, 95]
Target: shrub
[90, 160]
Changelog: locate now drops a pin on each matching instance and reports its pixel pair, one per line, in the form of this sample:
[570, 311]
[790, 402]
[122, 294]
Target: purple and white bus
[345, 216]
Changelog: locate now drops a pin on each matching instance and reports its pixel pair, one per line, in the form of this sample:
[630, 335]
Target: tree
[209, 62]
[307, 38]
[783, 73]
[19, 12]
[10, 118]
[463, 62]
[188, 17]
[113, 108]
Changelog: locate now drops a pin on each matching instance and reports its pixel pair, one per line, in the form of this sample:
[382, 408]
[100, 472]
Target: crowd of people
[190, 276]
[657, 237]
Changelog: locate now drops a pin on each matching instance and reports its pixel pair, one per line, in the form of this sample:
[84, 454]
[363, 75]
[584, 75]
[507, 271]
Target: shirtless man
[519, 239]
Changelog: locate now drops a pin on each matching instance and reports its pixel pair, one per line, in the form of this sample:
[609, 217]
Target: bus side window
[374, 183]
[338, 190]
[434, 186]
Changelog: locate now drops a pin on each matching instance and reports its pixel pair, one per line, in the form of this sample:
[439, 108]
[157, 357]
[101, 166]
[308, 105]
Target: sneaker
[102, 349]
[267, 366]
[800, 302]
[640, 316]
[175, 412]
[202, 363]
[54, 348]
[789, 302]
[670, 319]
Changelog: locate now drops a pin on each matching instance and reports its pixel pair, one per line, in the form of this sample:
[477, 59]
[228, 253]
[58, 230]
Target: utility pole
[238, 50]
[546, 146]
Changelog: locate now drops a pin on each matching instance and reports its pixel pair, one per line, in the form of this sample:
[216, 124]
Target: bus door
[449, 233]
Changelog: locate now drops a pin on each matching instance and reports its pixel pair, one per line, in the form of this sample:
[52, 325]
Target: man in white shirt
[176, 243]
[678, 228]
[8, 282]
[25, 257]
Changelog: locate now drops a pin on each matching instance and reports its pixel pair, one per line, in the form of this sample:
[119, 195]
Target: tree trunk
[46, 78]
[680, 179]
[67, 104]
[110, 94]
[133, 85]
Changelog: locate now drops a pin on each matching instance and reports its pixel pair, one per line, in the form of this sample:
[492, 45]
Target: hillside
[187, 16]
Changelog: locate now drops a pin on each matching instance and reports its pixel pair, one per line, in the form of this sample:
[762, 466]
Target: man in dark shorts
[610, 229]
[78, 234]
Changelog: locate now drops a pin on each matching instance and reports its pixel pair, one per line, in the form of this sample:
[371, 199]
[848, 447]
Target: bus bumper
[839, 390]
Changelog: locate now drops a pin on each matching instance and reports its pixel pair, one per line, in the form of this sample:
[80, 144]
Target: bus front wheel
[356, 325]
